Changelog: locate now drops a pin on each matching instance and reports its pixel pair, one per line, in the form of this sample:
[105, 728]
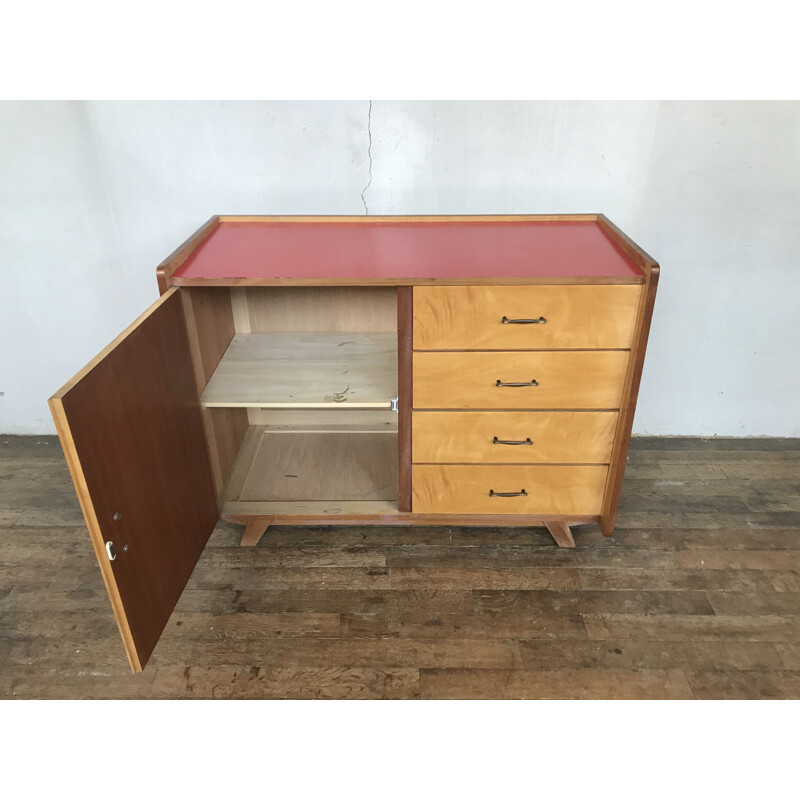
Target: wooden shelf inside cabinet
[321, 472]
[295, 370]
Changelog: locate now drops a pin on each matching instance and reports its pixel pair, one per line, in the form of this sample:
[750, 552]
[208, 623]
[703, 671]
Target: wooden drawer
[576, 317]
[484, 437]
[573, 379]
[465, 489]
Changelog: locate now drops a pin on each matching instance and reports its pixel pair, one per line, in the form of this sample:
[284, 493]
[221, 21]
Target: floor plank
[577, 684]
[697, 595]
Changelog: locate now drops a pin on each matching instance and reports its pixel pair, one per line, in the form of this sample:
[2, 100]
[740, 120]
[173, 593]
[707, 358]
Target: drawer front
[574, 317]
[570, 379]
[467, 489]
[513, 437]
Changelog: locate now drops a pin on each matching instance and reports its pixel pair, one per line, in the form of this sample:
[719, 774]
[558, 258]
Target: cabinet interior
[296, 386]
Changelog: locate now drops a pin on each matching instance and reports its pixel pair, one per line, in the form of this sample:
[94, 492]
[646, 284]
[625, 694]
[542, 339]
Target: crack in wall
[369, 156]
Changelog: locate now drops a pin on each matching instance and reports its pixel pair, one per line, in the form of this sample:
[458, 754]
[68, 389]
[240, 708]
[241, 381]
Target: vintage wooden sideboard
[474, 370]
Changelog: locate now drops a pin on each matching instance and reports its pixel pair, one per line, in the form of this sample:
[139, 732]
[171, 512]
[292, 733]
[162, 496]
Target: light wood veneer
[574, 379]
[468, 437]
[576, 317]
[277, 370]
[464, 489]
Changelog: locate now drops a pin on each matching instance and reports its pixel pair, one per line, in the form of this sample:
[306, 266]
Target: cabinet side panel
[210, 326]
[619, 453]
[229, 426]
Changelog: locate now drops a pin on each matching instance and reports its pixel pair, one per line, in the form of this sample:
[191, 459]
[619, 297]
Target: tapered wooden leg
[254, 530]
[561, 533]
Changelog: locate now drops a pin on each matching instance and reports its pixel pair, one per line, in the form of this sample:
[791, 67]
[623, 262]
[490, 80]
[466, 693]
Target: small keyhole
[117, 516]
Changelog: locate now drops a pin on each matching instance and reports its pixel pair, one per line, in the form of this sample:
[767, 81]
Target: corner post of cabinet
[167, 267]
[633, 376]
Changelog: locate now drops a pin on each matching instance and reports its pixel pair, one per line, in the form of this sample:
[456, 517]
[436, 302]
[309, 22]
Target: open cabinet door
[131, 428]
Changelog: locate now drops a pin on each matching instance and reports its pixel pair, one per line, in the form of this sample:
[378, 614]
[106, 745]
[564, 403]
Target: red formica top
[402, 249]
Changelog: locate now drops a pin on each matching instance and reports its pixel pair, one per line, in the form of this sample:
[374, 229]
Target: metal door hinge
[393, 401]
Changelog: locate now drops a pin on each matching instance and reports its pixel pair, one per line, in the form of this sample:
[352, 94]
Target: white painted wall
[94, 195]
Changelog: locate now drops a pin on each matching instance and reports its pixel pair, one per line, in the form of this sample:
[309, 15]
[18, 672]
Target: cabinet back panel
[315, 309]
[323, 419]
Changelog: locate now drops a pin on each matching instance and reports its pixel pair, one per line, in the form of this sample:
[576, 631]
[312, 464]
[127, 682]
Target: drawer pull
[526, 383]
[493, 493]
[507, 321]
[495, 440]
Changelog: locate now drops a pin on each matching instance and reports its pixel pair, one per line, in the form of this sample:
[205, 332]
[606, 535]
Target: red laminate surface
[413, 250]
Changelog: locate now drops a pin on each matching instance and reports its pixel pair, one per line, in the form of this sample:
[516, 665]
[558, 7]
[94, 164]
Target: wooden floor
[696, 596]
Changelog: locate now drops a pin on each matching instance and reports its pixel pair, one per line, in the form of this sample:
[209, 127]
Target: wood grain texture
[291, 370]
[460, 489]
[321, 309]
[133, 434]
[576, 317]
[254, 530]
[576, 379]
[209, 317]
[385, 514]
[579, 684]
[95, 532]
[561, 533]
[209, 324]
[468, 437]
[225, 428]
[298, 467]
[323, 419]
[680, 603]
[240, 309]
[242, 464]
[312, 512]
[405, 395]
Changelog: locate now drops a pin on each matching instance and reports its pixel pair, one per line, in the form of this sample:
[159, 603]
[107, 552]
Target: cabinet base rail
[558, 526]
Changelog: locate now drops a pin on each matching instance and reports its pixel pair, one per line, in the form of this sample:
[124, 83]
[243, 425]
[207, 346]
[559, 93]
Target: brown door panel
[131, 428]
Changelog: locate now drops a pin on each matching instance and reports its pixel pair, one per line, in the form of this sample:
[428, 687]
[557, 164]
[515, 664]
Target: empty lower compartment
[314, 472]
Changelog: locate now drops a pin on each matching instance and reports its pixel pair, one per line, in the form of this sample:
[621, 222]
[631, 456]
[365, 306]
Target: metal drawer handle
[512, 441]
[527, 383]
[493, 493]
[507, 321]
